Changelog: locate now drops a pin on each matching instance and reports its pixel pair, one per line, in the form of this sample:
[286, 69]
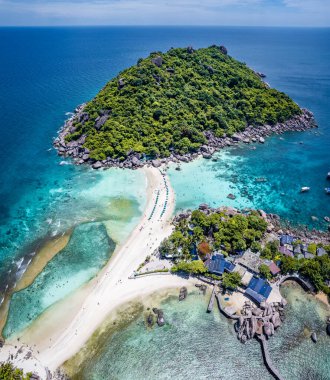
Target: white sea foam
[19, 263]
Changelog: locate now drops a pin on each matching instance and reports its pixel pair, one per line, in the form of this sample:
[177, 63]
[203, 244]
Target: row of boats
[305, 189]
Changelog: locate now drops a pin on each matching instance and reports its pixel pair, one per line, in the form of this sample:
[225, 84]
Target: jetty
[267, 359]
[211, 303]
[259, 323]
[305, 284]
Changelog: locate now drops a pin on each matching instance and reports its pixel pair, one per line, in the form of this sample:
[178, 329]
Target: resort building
[258, 290]
[274, 269]
[250, 261]
[217, 264]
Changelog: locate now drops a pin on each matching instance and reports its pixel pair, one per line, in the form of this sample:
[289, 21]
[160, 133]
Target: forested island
[175, 106]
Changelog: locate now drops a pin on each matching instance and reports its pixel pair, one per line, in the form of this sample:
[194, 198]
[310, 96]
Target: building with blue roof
[258, 289]
[217, 264]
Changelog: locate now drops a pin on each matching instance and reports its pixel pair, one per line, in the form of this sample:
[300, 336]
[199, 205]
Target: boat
[328, 175]
[327, 190]
[304, 189]
[261, 179]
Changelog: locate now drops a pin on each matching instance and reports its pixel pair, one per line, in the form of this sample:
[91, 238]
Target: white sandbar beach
[63, 329]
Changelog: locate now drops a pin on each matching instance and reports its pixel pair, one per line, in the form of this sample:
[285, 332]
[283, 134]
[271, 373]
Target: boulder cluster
[257, 321]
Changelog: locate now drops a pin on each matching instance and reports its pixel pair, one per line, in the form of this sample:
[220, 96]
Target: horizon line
[167, 26]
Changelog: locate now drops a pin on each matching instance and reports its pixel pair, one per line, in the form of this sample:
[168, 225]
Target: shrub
[265, 271]
[231, 280]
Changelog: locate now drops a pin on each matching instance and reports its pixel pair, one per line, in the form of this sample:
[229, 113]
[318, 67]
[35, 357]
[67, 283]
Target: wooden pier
[211, 303]
[267, 359]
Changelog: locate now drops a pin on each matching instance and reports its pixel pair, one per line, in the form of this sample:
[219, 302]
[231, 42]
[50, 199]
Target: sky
[165, 12]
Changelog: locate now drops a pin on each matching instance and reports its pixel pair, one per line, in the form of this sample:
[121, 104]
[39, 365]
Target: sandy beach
[64, 328]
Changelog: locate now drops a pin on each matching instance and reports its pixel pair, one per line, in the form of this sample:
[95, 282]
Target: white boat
[304, 189]
[328, 175]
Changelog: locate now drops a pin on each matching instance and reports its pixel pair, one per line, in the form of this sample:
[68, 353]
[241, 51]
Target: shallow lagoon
[102, 213]
[205, 345]
[237, 169]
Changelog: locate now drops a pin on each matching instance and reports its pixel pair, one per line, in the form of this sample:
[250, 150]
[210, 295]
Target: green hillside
[166, 101]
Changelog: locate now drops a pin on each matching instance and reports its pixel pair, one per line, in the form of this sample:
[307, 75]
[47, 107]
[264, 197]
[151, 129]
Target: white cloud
[309, 5]
[166, 12]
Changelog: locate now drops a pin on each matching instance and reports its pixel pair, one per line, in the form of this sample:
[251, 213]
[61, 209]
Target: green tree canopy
[231, 280]
[265, 271]
[166, 101]
[9, 372]
[193, 267]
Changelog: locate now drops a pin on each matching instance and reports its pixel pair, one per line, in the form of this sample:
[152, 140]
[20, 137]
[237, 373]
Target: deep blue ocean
[47, 72]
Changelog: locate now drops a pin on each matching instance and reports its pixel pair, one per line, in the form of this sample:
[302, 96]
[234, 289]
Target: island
[175, 106]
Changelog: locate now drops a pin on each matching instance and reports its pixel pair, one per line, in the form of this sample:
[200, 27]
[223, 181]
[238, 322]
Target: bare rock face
[121, 83]
[314, 337]
[210, 69]
[203, 206]
[97, 165]
[158, 61]
[223, 50]
[156, 163]
[100, 120]
[183, 293]
[236, 137]
[135, 161]
[83, 117]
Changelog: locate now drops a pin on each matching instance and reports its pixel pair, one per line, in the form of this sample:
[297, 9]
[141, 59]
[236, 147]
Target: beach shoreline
[64, 328]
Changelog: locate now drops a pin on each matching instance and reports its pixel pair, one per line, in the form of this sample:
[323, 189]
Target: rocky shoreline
[80, 155]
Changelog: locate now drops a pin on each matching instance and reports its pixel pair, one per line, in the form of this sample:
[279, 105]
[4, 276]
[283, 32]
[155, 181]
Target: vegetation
[317, 269]
[231, 280]
[165, 102]
[205, 232]
[214, 231]
[193, 267]
[265, 271]
[9, 372]
[271, 251]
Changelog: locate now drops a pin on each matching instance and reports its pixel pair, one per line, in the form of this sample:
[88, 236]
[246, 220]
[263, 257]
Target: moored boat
[327, 190]
[304, 189]
[261, 179]
[328, 175]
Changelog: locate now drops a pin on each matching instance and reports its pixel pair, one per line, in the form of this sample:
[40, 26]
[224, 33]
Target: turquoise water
[67, 271]
[195, 343]
[85, 197]
[110, 197]
[40, 198]
[36, 94]
[236, 170]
